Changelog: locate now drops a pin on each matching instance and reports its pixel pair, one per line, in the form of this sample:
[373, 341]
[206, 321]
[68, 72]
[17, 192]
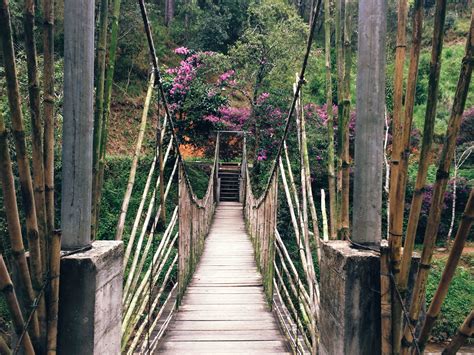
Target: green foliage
[450, 67]
[458, 301]
[210, 26]
[270, 49]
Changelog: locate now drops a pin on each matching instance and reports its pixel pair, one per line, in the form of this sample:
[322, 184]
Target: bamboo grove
[162, 250]
[33, 302]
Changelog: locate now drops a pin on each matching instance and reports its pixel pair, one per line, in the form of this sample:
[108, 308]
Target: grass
[459, 300]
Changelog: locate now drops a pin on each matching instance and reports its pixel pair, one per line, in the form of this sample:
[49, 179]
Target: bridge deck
[224, 310]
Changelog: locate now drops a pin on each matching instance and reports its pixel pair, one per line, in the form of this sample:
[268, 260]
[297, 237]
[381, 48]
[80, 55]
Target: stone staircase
[229, 174]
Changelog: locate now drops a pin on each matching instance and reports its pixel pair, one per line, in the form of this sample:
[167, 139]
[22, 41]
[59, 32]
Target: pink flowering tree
[193, 95]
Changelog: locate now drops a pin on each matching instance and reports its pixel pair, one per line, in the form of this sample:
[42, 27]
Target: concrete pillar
[90, 300]
[369, 152]
[90, 295]
[78, 116]
[350, 299]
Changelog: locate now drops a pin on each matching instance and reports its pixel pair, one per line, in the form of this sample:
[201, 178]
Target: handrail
[195, 216]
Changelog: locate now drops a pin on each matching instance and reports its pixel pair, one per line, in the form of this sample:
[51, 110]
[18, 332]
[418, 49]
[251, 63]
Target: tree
[268, 51]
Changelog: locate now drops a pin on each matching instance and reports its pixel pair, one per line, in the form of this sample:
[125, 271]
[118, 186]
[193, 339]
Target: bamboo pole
[464, 332]
[135, 274]
[37, 160]
[409, 106]
[144, 252]
[4, 348]
[309, 189]
[442, 176]
[139, 332]
[36, 125]
[140, 208]
[8, 290]
[48, 110]
[330, 122]
[53, 304]
[24, 173]
[298, 233]
[385, 301]
[448, 272]
[395, 219]
[344, 118]
[160, 133]
[99, 101]
[339, 31]
[427, 132]
[325, 217]
[136, 156]
[99, 176]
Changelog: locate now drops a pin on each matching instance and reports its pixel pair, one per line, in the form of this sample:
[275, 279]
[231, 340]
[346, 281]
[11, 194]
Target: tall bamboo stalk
[395, 205]
[464, 332]
[385, 301]
[99, 102]
[37, 155]
[330, 123]
[344, 118]
[435, 67]
[415, 50]
[109, 79]
[6, 286]
[48, 110]
[439, 188]
[448, 272]
[307, 177]
[23, 169]
[136, 156]
[339, 31]
[417, 28]
[53, 304]
[4, 348]
[160, 134]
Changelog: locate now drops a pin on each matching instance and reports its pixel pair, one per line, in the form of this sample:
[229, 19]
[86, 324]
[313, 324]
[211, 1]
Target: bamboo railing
[195, 217]
[260, 215]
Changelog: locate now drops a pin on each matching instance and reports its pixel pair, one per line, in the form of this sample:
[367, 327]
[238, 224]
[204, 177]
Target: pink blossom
[262, 98]
[226, 75]
[182, 51]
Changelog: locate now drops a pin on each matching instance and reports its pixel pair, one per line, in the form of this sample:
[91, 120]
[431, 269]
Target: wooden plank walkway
[224, 310]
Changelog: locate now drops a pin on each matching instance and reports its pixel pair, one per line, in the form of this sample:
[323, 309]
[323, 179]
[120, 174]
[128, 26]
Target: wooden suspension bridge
[219, 277]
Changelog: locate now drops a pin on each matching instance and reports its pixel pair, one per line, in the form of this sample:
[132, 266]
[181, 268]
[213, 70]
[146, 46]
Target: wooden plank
[223, 335]
[225, 307]
[224, 325]
[212, 347]
[210, 315]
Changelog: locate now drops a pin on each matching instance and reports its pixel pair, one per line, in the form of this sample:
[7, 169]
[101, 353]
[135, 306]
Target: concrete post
[367, 216]
[90, 295]
[78, 123]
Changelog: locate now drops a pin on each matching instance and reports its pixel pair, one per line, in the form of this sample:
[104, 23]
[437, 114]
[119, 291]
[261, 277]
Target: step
[234, 190]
